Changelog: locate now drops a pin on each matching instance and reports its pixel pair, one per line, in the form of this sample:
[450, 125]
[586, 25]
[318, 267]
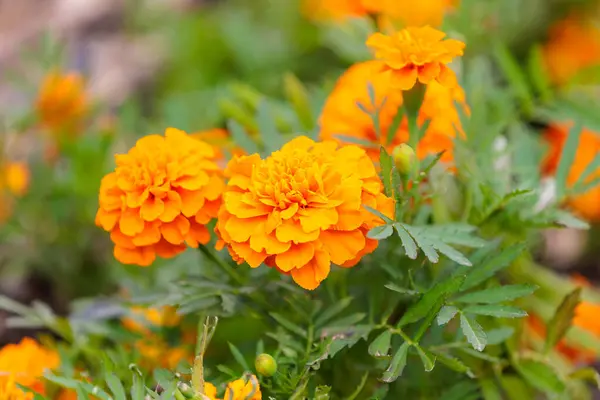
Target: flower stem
[222, 264]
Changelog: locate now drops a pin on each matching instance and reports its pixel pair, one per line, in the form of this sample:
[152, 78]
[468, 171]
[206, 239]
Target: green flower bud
[405, 158]
[265, 365]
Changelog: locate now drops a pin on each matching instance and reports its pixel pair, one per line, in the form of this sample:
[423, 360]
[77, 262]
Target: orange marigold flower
[588, 203]
[573, 45]
[155, 352]
[416, 53]
[409, 12]
[341, 116]
[143, 317]
[301, 209]
[334, 9]
[24, 363]
[62, 102]
[161, 196]
[246, 388]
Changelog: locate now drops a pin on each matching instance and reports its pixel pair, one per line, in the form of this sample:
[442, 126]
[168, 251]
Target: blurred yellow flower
[342, 116]
[16, 177]
[161, 196]
[24, 363]
[143, 317]
[62, 103]
[573, 45]
[416, 53]
[410, 12]
[334, 9]
[301, 209]
[246, 388]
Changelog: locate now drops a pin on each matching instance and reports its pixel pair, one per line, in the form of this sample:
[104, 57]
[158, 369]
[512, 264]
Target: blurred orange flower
[155, 353]
[588, 203]
[416, 53]
[220, 140]
[301, 209]
[143, 317]
[342, 116]
[62, 102]
[573, 45]
[410, 13]
[160, 197]
[246, 388]
[334, 9]
[24, 363]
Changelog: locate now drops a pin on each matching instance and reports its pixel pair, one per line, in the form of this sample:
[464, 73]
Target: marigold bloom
[573, 45]
[62, 102]
[341, 116]
[416, 53]
[240, 389]
[155, 352]
[160, 197]
[144, 317]
[301, 209]
[24, 363]
[334, 9]
[588, 203]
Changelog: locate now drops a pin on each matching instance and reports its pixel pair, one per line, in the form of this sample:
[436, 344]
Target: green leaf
[561, 321]
[588, 374]
[567, 157]
[497, 336]
[410, 247]
[381, 232]
[538, 73]
[422, 242]
[116, 387]
[498, 294]
[432, 298]
[381, 345]
[387, 164]
[239, 357]
[473, 332]
[590, 169]
[495, 310]
[333, 311]
[446, 314]
[492, 264]
[379, 214]
[514, 75]
[458, 234]
[489, 390]
[271, 137]
[464, 390]
[568, 220]
[241, 137]
[288, 324]
[137, 388]
[395, 288]
[452, 253]
[541, 376]
[427, 358]
[397, 364]
[453, 363]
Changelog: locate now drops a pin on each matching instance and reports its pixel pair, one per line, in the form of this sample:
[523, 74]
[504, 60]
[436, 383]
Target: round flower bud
[265, 365]
[404, 158]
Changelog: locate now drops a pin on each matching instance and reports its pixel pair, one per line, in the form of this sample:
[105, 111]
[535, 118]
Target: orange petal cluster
[160, 197]
[416, 53]
[141, 318]
[14, 182]
[240, 389]
[342, 117]
[62, 103]
[24, 363]
[334, 9]
[588, 203]
[301, 209]
[573, 45]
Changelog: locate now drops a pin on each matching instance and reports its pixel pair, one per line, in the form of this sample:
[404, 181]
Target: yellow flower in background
[143, 317]
[333, 9]
[156, 353]
[16, 178]
[301, 209]
[62, 103]
[586, 204]
[573, 45]
[161, 196]
[246, 388]
[24, 363]
[342, 117]
[416, 53]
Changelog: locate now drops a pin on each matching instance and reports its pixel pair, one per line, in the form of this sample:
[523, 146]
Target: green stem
[179, 395]
[222, 264]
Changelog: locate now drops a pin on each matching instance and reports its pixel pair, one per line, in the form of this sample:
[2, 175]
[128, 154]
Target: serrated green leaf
[116, 387]
[495, 310]
[473, 332]
[241, 137]
[410, 247]
[452, 253]
[427, 358]
[541, 376]
[446, 314]
[457, 234]
[333, 311]
[453, 363]
[381, 232]
[288, 324]
[497, 336]
[239, 357]
[492, 264]
[567, 157]
[397, 364]
[380, 346]
[432, 298]
[386, 164]
[422, 242]
[395, 288]
[497, 294]
[561, 320]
